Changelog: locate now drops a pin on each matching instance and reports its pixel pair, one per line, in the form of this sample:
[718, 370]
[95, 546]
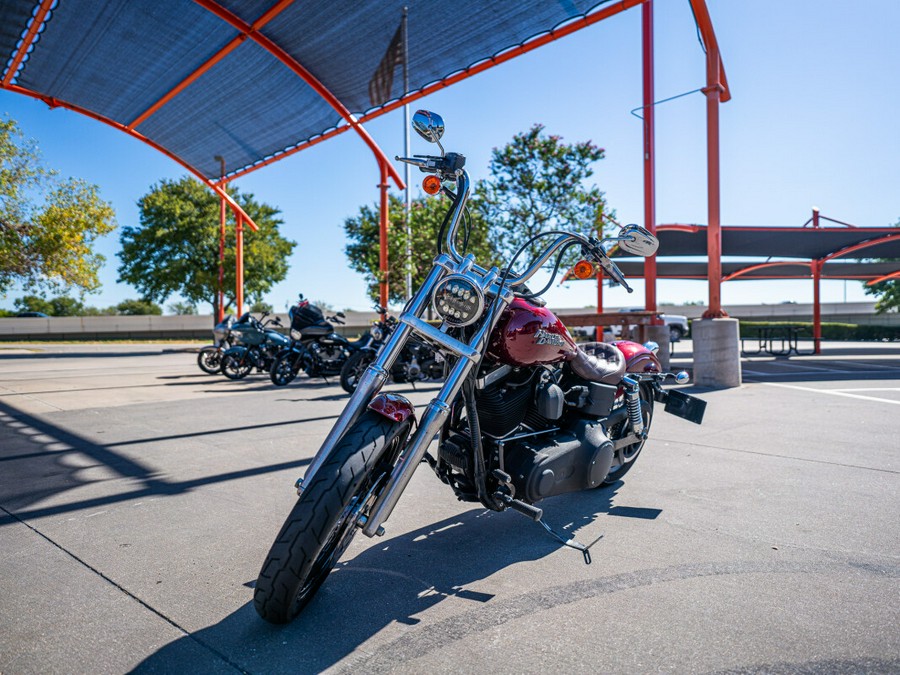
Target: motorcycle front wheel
[353, 369]
[625, 457]
[210, 360]
[282, 372]
[324, 519]
[236, 367]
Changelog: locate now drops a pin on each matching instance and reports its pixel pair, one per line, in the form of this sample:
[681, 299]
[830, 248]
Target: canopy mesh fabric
[117, 58]
[782, 242]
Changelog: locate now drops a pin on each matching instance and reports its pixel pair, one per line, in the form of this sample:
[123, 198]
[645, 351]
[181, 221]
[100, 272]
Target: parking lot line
[833, 392]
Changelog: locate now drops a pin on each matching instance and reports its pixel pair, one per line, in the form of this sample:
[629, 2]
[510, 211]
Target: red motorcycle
[524, 413]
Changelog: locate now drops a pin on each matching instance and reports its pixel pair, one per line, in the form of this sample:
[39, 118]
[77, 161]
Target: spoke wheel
[210, 360]
[282, 372]
[353, 369]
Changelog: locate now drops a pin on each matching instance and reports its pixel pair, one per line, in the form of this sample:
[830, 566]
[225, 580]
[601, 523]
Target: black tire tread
[314, 515]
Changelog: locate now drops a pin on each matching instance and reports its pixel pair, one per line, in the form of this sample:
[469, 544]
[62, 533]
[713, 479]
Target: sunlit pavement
[139, 497]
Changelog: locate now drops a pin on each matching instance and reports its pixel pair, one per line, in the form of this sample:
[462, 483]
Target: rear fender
[394, 407]
[638, 359]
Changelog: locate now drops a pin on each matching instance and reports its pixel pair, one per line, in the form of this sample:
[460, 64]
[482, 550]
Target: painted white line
[861, 373]
[832, 392]
[864, 365]
[870, 389]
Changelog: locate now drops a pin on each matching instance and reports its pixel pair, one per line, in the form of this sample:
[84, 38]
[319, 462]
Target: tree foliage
[48, 226]
[426, 216]
[538, 183]
[887, 293]
[176, 247]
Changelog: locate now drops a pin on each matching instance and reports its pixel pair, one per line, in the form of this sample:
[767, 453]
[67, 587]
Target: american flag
[383, 80]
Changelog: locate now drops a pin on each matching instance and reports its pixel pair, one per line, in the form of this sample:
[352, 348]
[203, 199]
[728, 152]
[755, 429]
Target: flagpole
[406, 166]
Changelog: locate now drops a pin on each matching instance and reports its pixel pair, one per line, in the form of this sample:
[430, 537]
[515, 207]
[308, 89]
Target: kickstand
[571, 542]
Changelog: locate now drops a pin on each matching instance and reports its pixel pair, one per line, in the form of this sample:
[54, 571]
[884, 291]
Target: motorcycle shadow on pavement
[395, 581]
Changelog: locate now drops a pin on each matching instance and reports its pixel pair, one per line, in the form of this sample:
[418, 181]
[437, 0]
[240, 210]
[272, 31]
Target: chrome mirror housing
[428, 125]
[637, 240]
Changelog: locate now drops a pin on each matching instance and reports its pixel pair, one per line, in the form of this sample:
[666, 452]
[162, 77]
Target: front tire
[675, 333]
[324, 519]
[210, 360]
[353, 369]
[283, 372]
[236, 367]
[625, 457]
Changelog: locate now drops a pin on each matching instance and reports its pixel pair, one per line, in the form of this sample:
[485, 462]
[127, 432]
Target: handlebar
[450, 167]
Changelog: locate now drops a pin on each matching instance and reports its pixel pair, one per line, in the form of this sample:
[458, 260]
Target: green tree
[260, 307]
[176, 247]
[183, 308]
[538, 183]
[887, 293]
[141, 307]
[59, 306]
[426, 216]
[48, 226]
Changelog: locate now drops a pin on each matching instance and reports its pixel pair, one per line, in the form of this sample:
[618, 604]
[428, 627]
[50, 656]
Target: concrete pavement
[139, 497]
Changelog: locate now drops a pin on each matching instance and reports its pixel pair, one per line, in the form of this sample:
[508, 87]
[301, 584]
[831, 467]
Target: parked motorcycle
[255, 346]
[210, 357]
[314, 346]
[417, 362]
[524, 414]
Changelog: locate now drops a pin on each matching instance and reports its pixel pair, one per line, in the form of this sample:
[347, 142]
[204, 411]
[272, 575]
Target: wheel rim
[283, 372]
[357, 371]
[627, 454]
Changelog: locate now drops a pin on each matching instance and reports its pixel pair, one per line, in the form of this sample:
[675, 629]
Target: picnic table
[634, 324]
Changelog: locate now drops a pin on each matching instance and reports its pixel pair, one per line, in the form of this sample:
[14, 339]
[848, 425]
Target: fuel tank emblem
[543, 337]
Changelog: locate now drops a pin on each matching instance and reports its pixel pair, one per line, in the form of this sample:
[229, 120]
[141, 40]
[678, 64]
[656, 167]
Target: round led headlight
[376, 333]
[458, 300]
[295, 334]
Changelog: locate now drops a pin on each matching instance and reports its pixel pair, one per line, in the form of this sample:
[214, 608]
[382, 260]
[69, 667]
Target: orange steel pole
[383, 236]
[598, 335]
[713, 91]
[649, 160]
[220, 294]
[239, 265]
[817, 278]
[27, 41]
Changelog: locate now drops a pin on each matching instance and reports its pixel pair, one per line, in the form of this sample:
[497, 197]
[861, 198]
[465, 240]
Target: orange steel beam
[714, 91]
[886, 277]
[27, 41]
[861, 246]
[540, 41]
[649, 151]
[239, 265]
[56, 103]
[274, 11]
[752, 268]
[286, 59]
[382, 237]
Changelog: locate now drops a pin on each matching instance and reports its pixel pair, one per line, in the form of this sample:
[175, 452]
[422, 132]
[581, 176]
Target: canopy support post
[817, 297]
[239, 265]
[599, 332]
[220, 291]
[649, 149]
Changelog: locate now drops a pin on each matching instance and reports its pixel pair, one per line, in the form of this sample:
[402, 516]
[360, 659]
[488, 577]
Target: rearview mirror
[637, 240]
[428, 125]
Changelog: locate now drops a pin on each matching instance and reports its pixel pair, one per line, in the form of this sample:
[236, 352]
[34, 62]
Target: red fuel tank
[527, 335]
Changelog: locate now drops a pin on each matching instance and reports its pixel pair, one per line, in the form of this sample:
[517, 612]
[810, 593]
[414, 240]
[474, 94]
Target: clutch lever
[608, 265]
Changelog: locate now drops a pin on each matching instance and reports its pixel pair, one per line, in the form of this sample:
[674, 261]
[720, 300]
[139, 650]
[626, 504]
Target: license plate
[686, 407]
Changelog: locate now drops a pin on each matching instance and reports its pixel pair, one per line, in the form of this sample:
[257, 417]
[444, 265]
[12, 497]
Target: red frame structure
[716, 92]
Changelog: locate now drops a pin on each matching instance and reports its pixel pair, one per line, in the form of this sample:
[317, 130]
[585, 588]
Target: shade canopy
[808, 243]
[249, 80]
[862, 271]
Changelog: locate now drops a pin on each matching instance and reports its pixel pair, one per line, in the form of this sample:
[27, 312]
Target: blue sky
[813, 122]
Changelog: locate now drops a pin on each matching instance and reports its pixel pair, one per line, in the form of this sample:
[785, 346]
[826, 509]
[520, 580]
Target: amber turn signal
[583, 270]
[431, 185]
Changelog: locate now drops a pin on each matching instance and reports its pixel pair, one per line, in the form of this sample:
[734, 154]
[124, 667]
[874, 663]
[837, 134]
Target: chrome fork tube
[372, 380]
[434, 418]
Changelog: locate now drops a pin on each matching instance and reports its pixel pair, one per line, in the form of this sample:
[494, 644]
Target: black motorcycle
[255, 346]
[418, 361]
[314, 346]
[210, 357]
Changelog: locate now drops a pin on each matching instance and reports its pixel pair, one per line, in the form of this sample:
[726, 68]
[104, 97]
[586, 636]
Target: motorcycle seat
[598, 362]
